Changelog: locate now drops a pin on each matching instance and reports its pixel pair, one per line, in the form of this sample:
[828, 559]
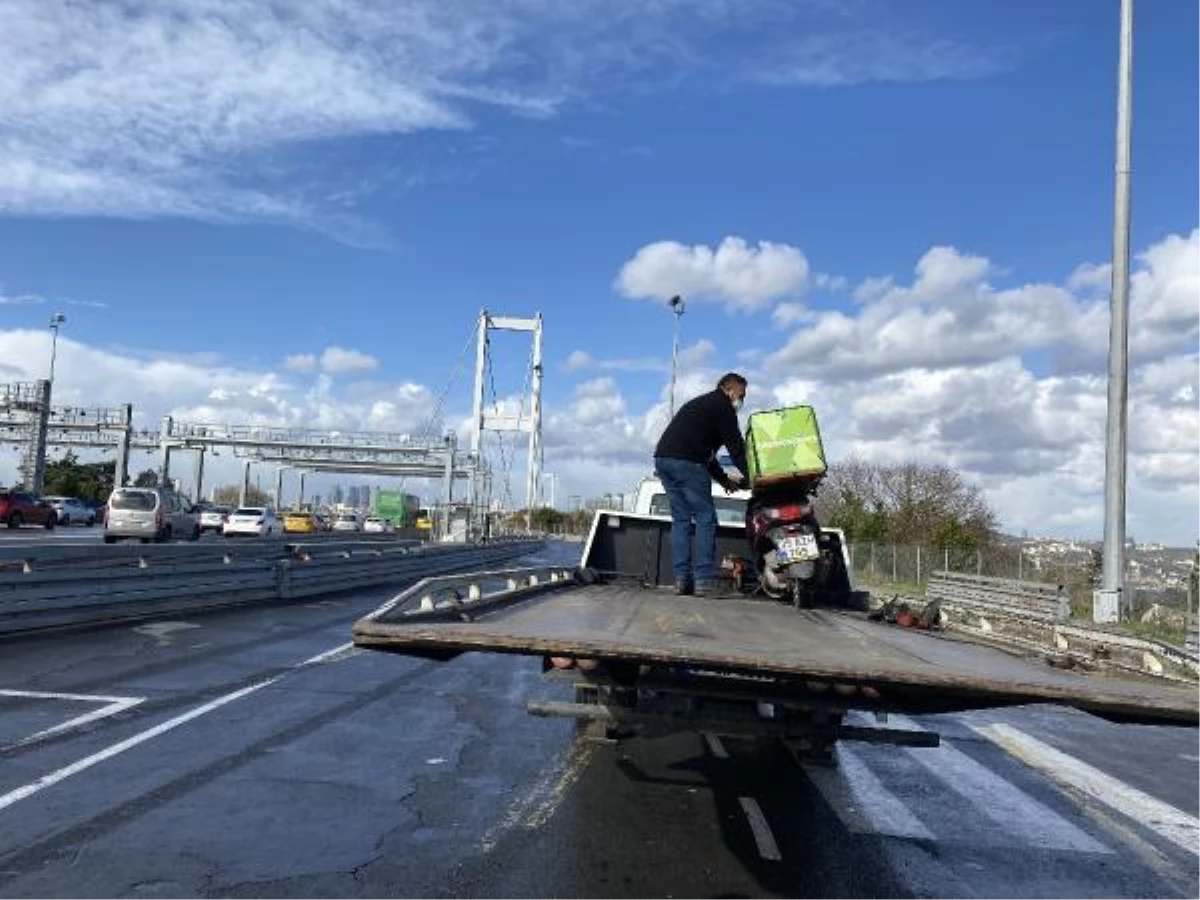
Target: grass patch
[881, 585]
[1168, 634]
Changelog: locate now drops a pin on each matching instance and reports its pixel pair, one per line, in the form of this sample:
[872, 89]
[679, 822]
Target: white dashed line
[1173, 824]
[715, 747]
[328, 655]
[767, 848]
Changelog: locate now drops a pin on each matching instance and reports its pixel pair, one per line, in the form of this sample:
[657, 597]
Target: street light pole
[1107, 602]
[56, 320]
[677, 308]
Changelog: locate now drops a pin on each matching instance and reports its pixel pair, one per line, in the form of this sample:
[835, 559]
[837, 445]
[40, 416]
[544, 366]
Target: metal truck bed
[624, 622]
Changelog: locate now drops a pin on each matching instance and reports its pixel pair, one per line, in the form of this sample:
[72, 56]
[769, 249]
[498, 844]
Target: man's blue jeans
[689, 490]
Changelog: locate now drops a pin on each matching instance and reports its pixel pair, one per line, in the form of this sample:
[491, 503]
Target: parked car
[347, 522]
[377, 525]
[71, 511]
[19, 508]
[150, 514]
[212, 518]
[258, 521]
[299, 523]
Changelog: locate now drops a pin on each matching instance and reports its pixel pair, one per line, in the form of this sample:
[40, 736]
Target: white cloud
[1091, 277]
[578, 360]
[951, 316]
[194, 108]
[735, 274]
[337, 360]
[858, 57]
[786, 314]
[694, 360]
[194, 388]
[834, 284]
[1006, 384]
[301, 362]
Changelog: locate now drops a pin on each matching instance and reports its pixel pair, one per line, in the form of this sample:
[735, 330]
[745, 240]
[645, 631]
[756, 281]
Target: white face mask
[737, 404]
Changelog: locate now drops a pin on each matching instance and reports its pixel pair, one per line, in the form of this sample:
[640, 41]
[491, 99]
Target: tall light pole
[677, 308]
[1109, 600]
[553, 478]
[56, 321]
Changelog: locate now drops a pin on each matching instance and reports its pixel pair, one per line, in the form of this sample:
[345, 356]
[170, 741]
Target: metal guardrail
[1033, 617]
[1028, 599]
[46, 587]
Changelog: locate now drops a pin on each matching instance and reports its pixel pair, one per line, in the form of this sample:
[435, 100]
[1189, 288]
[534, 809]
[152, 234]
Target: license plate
[797, 549]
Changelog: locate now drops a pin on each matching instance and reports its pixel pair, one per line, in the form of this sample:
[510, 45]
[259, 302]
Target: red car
[19, 508]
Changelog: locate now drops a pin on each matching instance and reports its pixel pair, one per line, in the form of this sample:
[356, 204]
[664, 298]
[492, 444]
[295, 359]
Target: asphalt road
[253, 752]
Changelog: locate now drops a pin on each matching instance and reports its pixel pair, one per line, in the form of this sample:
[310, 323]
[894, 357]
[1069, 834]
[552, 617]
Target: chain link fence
[905, 569]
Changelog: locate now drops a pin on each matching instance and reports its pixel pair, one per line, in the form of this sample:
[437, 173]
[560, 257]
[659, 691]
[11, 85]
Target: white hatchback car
[347, 522]
[257, 521]
[377, 525]
[71, 511]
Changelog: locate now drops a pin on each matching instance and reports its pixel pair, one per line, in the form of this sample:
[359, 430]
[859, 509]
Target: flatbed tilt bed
[771, 650]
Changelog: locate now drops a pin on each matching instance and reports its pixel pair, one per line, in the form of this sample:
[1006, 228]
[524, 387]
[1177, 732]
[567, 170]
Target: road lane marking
[87, 762]
[535, 808]
[1001, 801]
[163, 631]
[329, 655]
[1173, 824]
[763, 838]
[881, 811]
[113, 705]
[715, 746]
[28, 790]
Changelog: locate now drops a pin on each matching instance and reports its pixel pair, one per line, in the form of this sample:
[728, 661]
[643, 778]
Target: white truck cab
[650, 499]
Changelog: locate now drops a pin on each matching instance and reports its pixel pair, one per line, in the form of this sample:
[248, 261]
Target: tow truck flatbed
[793, 650]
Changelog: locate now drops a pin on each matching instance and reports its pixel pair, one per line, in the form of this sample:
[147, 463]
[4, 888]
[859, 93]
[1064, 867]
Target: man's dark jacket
[701, 427]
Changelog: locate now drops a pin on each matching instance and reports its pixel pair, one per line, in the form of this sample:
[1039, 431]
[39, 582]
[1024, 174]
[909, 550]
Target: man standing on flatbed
[685, 460]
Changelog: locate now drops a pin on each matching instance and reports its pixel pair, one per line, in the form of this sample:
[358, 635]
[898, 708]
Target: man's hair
[729, 379]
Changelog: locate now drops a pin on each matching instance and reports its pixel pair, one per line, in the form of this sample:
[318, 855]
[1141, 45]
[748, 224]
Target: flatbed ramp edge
[624, 622]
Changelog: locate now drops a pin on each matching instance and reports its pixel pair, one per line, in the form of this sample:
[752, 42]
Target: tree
[147, 478]
[905, 503]
[68, 477]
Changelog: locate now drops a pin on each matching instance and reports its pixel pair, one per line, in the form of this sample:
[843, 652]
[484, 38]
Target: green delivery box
[782, 444]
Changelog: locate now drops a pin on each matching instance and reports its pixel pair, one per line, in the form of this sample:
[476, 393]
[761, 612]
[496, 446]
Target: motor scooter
[785, 540]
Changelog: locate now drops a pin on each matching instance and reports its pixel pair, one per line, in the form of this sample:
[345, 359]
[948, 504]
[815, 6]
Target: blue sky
[243, 182]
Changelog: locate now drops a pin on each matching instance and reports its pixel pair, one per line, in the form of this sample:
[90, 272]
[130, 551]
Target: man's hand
[736, 477]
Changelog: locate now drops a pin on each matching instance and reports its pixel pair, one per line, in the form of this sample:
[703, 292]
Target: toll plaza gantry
[29, 421]
[314, 450]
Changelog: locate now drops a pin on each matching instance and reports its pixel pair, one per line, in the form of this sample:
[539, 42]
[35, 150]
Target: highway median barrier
[45, 587]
